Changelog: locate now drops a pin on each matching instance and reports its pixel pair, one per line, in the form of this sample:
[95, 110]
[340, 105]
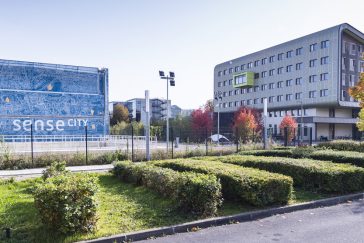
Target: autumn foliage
[290, 123]
[357, 92]
[245, 124]
[201, 121]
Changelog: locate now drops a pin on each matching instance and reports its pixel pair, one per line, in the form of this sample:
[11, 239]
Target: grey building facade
[307, 78]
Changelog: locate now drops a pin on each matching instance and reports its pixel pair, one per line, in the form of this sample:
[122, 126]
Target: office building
[307, 78]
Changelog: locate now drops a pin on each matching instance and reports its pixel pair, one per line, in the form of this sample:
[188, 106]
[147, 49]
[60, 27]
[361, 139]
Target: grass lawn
[121, 208]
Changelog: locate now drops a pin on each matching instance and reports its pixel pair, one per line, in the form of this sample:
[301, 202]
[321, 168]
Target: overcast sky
[136, 38]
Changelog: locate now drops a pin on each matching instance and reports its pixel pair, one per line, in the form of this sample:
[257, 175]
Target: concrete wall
[343, 130]
[322, 130]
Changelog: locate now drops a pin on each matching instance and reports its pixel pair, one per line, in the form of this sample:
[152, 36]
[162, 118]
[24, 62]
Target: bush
[249, 185]
[192, 192]
[310, 174]
[66, 202]
[342, 145]
[346, 157]
[56, 168]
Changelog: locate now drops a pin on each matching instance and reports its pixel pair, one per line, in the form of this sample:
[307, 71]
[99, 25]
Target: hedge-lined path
[29, 173]
[340, 223]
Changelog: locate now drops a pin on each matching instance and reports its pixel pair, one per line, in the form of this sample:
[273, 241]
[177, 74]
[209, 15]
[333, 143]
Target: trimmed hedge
[249, 185]
[346, 157]
[66, 202]
[311, 174]
[193, 192]
[342, 145]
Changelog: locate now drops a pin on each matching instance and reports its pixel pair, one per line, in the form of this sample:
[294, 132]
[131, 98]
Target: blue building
[52, 99]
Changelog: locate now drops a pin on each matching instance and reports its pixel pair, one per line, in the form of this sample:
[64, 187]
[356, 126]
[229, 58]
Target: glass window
[299, 66]
[313, 62]
[324, 60]
[264, 61]
[324, 92]
[280, 84]
[298, 81]
[299, 51]
[289, 68]
[280, 70]
[264, 74]
[219, 84]
[250, 65]
[237, 69]
[219, 73]
[313, 47]
[271, 86]
[289, 54]
[279, 98]
[224, 72]
[289, 82]
[242, 67]
[288, 97]
[263, 87]
[230, 70]
[256, 63]
[312, 78]
[271, 72]
[324, 44]
[298, 96]
[324, 76]
[312, 94]
[280, 56]
[271, 59]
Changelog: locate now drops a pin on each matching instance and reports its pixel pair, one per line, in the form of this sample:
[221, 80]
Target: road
[340, 223]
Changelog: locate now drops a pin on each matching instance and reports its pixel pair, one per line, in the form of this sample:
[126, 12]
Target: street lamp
[301, 139]
[218, 97]
[170, 81]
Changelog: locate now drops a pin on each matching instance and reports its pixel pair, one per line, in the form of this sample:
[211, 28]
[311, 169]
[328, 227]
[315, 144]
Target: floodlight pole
[167, 135]
[218, 97]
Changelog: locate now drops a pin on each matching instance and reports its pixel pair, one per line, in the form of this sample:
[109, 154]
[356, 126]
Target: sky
[135, 39]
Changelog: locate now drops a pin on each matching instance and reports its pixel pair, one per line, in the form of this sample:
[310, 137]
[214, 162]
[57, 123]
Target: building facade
[307, 78]
[51, 99]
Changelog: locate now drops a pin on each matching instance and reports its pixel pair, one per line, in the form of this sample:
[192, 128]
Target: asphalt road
[340, 223]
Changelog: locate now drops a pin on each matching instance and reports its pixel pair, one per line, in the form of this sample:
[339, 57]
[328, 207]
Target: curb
[217, 221]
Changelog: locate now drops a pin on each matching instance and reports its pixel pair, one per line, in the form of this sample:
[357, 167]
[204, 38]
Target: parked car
[221, 138]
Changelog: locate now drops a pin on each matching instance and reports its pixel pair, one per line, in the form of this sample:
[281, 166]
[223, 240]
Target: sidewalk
[38, 171]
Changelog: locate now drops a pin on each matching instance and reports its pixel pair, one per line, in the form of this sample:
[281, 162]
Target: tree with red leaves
[245, 124]
[257, 117]
[290, 123]
[201, 121]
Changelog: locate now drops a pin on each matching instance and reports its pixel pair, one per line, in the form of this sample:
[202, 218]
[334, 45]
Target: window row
[278, 98]
[273, 58]
[352, 65]
[352, 48]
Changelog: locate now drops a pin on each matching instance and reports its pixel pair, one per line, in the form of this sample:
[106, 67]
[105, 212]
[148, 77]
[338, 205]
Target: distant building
[186, 112]
[175, 111]
[307, 78]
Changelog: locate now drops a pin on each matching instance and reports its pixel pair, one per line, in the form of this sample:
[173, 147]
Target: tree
[245, 124]
[120, 113]
[201, 121]
[290, 123]
[209, 106]
[357, 92]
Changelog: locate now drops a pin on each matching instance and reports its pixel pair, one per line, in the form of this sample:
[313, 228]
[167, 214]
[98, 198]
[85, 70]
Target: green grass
[121, 208]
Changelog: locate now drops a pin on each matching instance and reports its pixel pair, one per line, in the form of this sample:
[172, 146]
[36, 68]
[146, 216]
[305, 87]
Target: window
[230, 70]
[256, 88]
[237, 69]
[264, 61]
[280, 84]
[256, 101]
[298, 96]
[324, 44]
[280, 70]
[271, 72]
[219, 84]
[262, 100]
[313, 47]
[353, 49]
[299, 51]
[219, 74]
[242, 91]
[224, 72]
[256, 63]
[271, 86]
[271, 59]
[271, 99]
[224, 94]
[289, 54]
[249, 102]
[230, 93]
[264, 74]
[241, 79]
[289, 68]
[230, 81]
[263, 87]
[288, 97]
[312, 78]
[279, 98]
[313, 62]
[352, 65]
[280, 56]
[324, 60]
[225, 82]
[236, 92]
[289, 82]
[298, 81]
[312, 94]
[242, 67]
[243, 102]
[250, 65]
[230, 104]
[299, 66]
[324, 92]
[237, 103]
[324, 76]
[249, 90]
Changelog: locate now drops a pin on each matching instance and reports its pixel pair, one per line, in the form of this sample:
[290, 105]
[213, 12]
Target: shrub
[311, 174]
[56, 168]
[66, 202]
[192, 192]
[249, 185]
[342, 145]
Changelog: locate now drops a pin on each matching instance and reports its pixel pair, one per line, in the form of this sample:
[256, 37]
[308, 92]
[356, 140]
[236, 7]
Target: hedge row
[349, 157]
[342, 145]
[249, 185]
[310, 174]
[66, 202]
[193, 192]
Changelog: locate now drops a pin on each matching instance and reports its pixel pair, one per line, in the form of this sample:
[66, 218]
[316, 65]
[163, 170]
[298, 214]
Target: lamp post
[218, 97]
[301, 130]
[170, 81]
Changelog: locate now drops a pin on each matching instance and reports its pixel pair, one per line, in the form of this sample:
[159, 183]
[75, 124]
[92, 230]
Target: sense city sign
[47, 125]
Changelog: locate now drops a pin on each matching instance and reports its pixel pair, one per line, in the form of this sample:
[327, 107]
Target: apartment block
[307, 78]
